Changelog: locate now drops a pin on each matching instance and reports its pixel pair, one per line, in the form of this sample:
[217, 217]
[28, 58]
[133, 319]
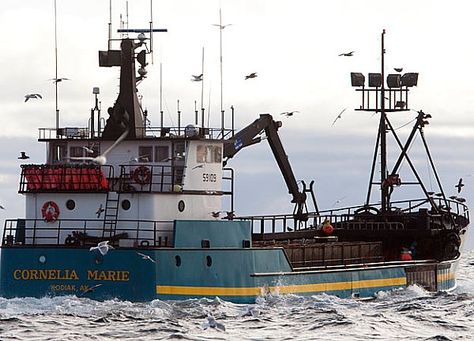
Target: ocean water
[408, 314]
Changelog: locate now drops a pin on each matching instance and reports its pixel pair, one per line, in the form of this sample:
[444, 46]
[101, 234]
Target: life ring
[50, 211]
[142, 175]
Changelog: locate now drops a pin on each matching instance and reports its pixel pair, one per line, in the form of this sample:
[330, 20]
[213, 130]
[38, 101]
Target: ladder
[111, 214]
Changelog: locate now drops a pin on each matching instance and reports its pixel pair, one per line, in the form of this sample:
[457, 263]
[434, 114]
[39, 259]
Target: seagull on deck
[35, 96]
[102, 159]
[58, 80]
[289, 113]
[146, 257]
[23, 156]
[103, 247]
[212, 323]
[338, 116]
[460, 185]
[347, 54]
[197, 78]
[252, 75]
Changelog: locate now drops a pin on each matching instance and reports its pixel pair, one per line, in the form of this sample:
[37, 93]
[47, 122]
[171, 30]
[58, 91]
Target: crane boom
[251, 135]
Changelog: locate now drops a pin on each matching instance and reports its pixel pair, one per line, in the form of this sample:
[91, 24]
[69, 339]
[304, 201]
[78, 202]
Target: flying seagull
[347, 54]
[1, 207]
[88, 150]
[198, 166]
[460, 185]
[197, 78]
[36, 96]
[398, 69]
[102, 159]
[212, 323]
[23, 156]
[252, 75]
[289, 113]
[338, 116]
[146, 257]
[58, 80]
[90, 289]
[216, 214]
[221, 26]
[99, 211]
[103, 247]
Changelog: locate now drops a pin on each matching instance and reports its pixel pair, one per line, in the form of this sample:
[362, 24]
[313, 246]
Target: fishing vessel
[129, 211]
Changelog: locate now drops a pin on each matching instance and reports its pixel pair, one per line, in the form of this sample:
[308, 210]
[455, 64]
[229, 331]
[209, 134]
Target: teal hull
[237, 275]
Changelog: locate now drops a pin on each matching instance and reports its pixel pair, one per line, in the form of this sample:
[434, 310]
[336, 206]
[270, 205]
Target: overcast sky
[294, 48]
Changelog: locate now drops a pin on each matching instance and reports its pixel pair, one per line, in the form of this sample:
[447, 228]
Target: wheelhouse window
[58, 152]
[162, 153]
[208, 154]
[145, 154]
[76, 151]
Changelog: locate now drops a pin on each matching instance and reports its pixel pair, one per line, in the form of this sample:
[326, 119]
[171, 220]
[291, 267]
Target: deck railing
[79, 233]
[353, 217]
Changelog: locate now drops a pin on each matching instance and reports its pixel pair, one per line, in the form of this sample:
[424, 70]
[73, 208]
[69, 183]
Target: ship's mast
[383, 133]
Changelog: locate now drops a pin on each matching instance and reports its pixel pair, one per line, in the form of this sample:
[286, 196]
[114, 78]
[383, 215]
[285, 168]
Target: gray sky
[292, 45]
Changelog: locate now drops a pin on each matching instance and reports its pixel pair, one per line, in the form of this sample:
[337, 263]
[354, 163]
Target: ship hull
[236, 275]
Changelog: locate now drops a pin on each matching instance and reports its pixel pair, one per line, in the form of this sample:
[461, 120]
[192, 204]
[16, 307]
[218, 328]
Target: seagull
[460, 185]
[198, 166]
[212, 323]
[347, 54]
[250, 310]
[221, 26]
[28, 96]
[57, 80]
[289, 113]
[88, 150]
[230, 215]
[453, 197]
[460, 199]
[216, 214]
[1, 207]
[103, 247]
[197, 78]
[101, 159]
[146, 257]
[90, 289]
[338, 201]
[23, 156]
[252, 75]
[338, 116]
[439, 194]
[398, 69]
[99, 211]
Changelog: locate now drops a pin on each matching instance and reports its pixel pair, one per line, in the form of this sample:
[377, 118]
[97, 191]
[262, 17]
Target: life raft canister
[142, 175]
[405, 255]
[50, 211]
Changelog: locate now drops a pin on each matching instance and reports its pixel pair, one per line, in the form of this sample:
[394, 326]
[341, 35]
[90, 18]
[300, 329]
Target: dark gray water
[409, 314]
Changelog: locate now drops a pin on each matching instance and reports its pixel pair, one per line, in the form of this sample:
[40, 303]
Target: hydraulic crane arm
[250, 135]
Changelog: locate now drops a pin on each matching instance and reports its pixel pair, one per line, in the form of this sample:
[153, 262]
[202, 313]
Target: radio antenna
[110, 25]
[56, 64]
[151, 30]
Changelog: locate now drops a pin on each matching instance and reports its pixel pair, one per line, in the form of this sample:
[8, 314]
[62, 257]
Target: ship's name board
[70, 275]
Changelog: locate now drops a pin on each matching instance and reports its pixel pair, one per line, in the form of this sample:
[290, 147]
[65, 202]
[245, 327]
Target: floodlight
[357, 79]
[410, 79]
[393, 80]
[375, 80]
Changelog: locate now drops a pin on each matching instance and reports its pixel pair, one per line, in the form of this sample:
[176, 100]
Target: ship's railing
[77, 232]
[163, 132]
[150, 178]
[65, 178]
[354, 217]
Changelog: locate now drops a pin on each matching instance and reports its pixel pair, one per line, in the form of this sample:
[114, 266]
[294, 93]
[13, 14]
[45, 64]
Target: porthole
[178, 260]
[126, 204]
[181, 206]
[209, 261]
[70, 204]
[42, 259]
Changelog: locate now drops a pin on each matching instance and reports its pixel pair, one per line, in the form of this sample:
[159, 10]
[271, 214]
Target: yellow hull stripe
[446, 277]
[284, 289]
